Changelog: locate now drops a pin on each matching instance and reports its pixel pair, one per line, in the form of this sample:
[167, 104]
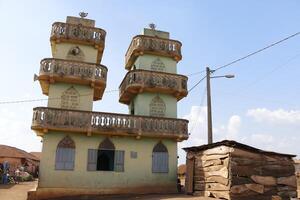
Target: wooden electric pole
[209, 117]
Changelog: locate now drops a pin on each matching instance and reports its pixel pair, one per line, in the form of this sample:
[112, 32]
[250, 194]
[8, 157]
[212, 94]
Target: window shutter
[92, 159]
[59, 159]
[119, 161]
[70, 158]
[160, 162]
[65, 158]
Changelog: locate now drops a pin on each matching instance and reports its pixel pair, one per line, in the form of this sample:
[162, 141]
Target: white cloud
[198, 129]
[278, 136]
[275, 116]
[233, 127]
[15, 130]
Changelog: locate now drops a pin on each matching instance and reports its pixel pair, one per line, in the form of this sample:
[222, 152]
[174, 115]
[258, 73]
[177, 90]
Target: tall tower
[152, 86]
[93, 153]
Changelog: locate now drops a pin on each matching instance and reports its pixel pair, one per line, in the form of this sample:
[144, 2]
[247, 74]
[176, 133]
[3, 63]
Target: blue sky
[259, 107]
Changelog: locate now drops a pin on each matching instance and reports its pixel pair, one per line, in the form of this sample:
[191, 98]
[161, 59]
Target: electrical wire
[192, 74]
[45, 99]
[194, 86]
[242, 58]
[256, 52]
[194, 122]
[196, 73]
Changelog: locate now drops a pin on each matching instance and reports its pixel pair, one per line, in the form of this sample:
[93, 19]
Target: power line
[242, 58]
[197, 84]
[45, 99]
[199, 111]
[192, 74]
[271, 72]
[196, 73]
[258, 51]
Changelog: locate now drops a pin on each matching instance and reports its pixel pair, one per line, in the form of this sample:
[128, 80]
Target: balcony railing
[138, 81]
[141, 44]
[59, 70]
[52, 119]
[90, 35]
[77, 33]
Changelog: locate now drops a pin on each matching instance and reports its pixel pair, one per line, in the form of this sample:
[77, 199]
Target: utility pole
[209, 117]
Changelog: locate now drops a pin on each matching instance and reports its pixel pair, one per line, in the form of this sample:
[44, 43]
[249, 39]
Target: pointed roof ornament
[152, 26]
[83, 14]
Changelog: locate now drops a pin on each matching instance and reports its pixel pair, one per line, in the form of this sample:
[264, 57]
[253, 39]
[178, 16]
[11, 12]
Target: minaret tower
[152, 86]
[74, 77]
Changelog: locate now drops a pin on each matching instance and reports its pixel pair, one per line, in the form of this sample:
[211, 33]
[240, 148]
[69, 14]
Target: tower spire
[83, 14]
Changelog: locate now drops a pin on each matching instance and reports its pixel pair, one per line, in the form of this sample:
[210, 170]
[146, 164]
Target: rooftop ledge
[143, 44]
[53, 119]
[138, 81]
[77, 33]
[68, 71]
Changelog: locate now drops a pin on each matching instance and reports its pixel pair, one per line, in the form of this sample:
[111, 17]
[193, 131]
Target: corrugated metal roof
[231, 143]
[13, 152]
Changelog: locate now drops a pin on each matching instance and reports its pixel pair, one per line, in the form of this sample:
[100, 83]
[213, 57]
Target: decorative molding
[157, 107]
[137, 81]
[70, 98]
[143, 44]
[158, 65]
[74, 121]
[66, 142]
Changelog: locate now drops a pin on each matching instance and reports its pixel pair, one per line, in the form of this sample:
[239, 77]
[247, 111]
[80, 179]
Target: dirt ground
[16, 191]
[19, 192]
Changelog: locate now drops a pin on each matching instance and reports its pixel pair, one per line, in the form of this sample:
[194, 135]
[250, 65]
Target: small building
[235, 171]
[18, 158]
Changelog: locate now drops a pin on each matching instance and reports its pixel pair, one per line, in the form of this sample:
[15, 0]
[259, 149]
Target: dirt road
[19, 192]
[16, 191]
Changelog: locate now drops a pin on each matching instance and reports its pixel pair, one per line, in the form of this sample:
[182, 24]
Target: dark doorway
[105, 160]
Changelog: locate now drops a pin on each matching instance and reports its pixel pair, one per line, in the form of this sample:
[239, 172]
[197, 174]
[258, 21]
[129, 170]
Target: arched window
[70, 98]
[106, 157]
[160, 159]
[65, 154]
[157, 107]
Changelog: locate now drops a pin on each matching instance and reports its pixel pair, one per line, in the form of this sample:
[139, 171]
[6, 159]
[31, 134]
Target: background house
[18, 158]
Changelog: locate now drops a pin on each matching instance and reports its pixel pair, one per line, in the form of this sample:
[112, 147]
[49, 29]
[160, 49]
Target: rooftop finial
[83, 14]
[152, 26]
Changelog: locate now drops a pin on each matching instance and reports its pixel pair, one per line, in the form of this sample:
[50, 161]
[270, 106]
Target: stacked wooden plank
[297, 168]
[234, 171]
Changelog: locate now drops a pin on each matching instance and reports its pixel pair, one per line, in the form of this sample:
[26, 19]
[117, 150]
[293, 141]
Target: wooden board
[189, 182]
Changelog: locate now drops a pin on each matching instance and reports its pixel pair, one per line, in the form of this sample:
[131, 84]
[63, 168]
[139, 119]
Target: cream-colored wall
[145, 61]
[156, 33]
[61, 50]
[85, 98]
[142, 104]
[138, 172]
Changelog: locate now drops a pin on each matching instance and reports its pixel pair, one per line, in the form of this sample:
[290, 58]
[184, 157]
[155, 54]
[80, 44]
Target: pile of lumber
[233, 173]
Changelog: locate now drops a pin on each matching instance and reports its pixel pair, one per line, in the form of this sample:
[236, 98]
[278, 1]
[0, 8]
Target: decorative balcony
[67, 71]
[138, 81]
[142, 44]
[52, 119]
[73, 33]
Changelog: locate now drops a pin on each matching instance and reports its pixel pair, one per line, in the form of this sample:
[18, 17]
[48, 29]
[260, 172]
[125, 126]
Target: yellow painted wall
[138, 172]
[85, 98]
[142, 102]
[61, 50]
[145, 61]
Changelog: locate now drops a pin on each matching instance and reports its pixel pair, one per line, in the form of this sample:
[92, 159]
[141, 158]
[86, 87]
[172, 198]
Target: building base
[79, 193]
